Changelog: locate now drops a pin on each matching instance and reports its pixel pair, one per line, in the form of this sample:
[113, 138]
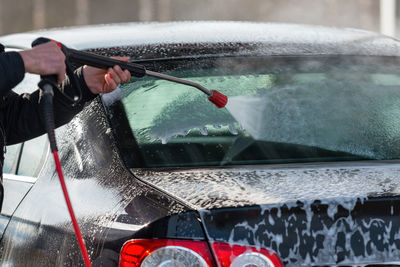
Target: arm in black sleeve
[22, 115]
[12, 71]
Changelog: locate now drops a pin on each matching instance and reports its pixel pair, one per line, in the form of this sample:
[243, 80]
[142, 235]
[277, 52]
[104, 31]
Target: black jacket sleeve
[21, 115]
[12, 71]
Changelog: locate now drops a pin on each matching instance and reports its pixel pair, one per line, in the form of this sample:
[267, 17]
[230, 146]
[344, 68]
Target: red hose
[71, 211]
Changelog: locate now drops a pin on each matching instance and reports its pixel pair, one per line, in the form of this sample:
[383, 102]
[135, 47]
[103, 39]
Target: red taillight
[235, 255]
[159, 252]
[188, 253]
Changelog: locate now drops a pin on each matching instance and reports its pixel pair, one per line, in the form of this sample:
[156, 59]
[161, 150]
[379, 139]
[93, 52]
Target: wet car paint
[16, 188]
[318, 233]
[110, 204]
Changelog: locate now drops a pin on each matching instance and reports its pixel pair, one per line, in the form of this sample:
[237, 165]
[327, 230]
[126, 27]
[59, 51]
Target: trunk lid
[209, 188]
[310, 214]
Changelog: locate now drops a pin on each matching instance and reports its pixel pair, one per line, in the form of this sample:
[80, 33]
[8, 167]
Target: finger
[60, 77]
[121, 74]
[111, 84]
[104, 89]
[127, 75]
[114, 75]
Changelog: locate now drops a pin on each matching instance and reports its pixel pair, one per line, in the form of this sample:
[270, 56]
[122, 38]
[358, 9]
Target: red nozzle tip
[218, 99]
[58, 44]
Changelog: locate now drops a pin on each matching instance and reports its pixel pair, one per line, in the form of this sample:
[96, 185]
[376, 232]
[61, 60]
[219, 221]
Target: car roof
[272, 38]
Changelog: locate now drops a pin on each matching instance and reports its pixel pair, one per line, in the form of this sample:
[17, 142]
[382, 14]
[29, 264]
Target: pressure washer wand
[178, 80]
[137, 70]
[214, 96]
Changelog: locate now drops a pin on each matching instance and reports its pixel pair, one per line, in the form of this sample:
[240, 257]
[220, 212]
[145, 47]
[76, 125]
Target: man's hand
[45, 59]
[105, 81]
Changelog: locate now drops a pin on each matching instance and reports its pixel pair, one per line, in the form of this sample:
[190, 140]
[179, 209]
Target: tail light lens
[163, 252]
[190, 253]
[244, 256]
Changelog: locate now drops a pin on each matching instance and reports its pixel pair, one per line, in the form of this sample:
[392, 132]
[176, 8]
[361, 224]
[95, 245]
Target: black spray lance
[137, 70]
[49, 83]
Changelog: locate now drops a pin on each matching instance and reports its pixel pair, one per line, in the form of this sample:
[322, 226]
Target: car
[301, 168]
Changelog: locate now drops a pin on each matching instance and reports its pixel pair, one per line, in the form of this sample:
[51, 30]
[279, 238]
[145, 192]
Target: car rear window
[280, 110]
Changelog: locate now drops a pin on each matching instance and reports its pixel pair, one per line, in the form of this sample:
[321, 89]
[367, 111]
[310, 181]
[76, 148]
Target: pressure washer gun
[49, 83]
[137, 70]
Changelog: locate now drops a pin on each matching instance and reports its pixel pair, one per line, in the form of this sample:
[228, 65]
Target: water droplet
[203, 131]
[232, 129]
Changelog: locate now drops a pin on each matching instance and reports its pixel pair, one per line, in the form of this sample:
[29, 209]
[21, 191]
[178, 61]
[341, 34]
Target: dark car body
[313, 205]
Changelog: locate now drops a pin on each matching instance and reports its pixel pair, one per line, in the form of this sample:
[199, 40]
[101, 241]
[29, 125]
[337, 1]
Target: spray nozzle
[218, 99]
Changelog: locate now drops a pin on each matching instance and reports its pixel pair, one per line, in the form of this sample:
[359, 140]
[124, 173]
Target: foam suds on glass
[174, 110]
[167, 134]
[187, 113]
[349, 116]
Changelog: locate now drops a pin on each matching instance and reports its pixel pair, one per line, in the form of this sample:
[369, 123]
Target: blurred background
[25, 15]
